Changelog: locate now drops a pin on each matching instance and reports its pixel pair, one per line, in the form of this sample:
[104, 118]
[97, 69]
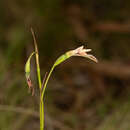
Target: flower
[27, 73]
[80, 51]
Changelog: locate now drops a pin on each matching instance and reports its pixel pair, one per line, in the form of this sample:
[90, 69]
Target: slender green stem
[37, 60]
[40, 83]
[41, 99]
[41, 115]
[47, 79]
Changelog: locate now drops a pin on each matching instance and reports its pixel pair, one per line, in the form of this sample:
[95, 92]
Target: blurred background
[81, 95]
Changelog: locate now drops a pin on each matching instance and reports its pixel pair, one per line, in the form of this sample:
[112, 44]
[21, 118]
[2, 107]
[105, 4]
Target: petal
[79, 48]
[91, 57]
[83, 53]
[87, 50]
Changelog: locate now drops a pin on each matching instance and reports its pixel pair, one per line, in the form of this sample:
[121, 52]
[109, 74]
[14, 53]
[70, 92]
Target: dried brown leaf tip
[30, 85]
[80, 51]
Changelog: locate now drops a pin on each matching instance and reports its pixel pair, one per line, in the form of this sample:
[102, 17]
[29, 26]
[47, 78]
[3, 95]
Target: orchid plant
[80, 51]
